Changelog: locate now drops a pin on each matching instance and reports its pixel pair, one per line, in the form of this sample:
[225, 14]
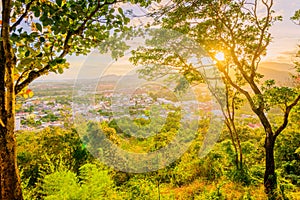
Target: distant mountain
[277, 66]
[271, 70]
[109, 78]
[280, 72]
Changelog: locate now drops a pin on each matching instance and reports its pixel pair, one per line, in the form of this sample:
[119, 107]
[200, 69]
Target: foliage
[287, 155]
[50, 173]
[92, 183]
[47, 31]
[47, 151]
[143, 189]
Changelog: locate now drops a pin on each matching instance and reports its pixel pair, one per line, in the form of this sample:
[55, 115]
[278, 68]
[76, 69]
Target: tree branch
[66, 48]
[31, 77]
[21, 76]
[286, 116]
[244, 92]
[23, 15]
[260, 48]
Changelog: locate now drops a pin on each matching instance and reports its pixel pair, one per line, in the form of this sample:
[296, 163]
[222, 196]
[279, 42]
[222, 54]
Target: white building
[17, 123]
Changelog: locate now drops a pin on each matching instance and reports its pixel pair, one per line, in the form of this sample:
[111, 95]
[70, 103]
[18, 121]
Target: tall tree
[36, 36]
[239, 29]
[169, 58]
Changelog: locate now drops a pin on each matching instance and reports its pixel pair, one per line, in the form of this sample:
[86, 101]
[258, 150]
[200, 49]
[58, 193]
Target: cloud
[288, 53]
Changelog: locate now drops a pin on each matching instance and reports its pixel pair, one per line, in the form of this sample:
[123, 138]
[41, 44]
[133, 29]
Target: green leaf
[112, 10]
[37, 13]
[60, 60]
[14, 37]
[59, 2]
[121, 11]
[27, 53]
[60, 70]
[39, 27]
[42, 39]
[20, 29]
[40, 55]
[25, 61]
[52, 63]
[34, 35]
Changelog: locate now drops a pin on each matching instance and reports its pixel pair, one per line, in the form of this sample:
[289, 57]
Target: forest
[242, 142]
[55, 164]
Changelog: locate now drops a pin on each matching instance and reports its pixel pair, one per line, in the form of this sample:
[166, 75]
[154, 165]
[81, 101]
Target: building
[18, 123]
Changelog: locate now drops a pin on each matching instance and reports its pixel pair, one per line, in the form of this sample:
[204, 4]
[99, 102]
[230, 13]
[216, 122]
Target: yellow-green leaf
[39, 27]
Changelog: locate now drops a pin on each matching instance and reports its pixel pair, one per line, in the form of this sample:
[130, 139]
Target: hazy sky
[286, 36]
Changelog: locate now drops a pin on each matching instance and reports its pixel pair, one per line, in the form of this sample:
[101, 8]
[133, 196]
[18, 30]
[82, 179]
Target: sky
[286, 36]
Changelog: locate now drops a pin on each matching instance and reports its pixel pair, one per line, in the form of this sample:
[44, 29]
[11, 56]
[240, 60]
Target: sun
[220, 56]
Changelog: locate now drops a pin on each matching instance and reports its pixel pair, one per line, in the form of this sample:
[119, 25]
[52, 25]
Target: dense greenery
[55, 164]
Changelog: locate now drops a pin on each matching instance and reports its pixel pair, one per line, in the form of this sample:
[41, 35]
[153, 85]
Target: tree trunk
[10, 183]
[233, 143]
[239, 146]
[270, 180]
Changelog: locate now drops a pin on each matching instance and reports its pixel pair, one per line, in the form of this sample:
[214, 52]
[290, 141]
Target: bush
[92, 183]
[141, 188]
[240, 175]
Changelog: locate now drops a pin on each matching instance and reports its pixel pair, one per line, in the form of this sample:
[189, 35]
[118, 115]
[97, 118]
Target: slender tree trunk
[233, 143]
[270, 180]
[241, 154]
[239, 146]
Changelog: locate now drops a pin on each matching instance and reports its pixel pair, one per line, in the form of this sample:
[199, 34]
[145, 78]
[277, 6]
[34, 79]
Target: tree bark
[270, 179]
[10, 183]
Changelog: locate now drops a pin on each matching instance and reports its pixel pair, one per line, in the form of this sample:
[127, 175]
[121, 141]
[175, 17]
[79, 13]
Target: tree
[233, 102]
[43, 152]
[239, 29]
[165, 58]
[36, 36]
